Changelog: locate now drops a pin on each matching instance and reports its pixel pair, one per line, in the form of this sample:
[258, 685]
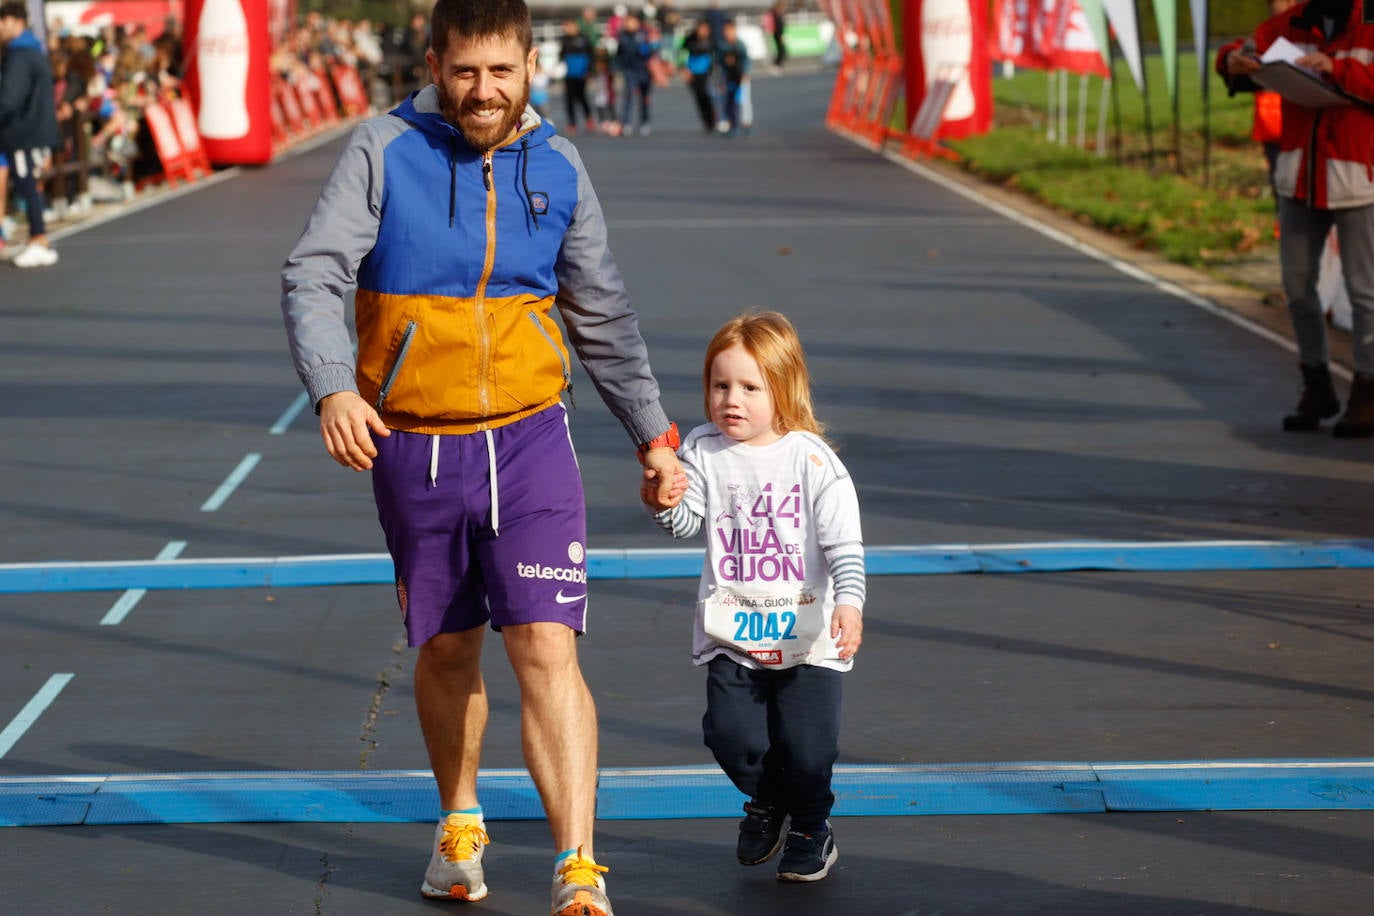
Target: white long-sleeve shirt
[783, 546]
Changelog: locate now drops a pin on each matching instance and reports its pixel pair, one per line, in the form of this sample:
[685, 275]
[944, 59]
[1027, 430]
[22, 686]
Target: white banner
[1201, 27]
[1121, 15]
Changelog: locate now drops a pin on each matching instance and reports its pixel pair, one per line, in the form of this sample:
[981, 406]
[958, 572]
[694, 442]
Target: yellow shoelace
[581, 871]
[460, 841]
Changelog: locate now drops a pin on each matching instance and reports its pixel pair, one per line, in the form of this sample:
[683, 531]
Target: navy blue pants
[776, 734]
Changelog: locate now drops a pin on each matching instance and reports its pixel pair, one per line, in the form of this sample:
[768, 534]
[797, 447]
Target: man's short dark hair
[14, 11]
[479, 19]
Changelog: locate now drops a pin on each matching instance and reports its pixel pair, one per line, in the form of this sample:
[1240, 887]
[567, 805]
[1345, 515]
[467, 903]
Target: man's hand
[847, 629]
[1315, 61]
[664, 480]
[1242, 63]
[347, 424]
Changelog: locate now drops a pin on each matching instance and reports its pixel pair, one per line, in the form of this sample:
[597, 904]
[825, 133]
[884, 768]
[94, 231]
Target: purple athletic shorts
[475, 539]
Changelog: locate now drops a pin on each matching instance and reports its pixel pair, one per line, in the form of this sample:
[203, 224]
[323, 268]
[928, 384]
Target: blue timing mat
[376, 569]
[694, 792]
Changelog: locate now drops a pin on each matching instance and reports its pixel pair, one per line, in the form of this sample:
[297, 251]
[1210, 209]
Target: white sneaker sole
[825, 870]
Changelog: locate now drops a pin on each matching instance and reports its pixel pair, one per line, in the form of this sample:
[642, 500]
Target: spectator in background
[603, 92]
[777, 24]
[733, 59]
[4, 196]
[716, 19]
[697, 57]
[633, 50]
[539, 90]
[1324, 173]
[588, 26]
[28, 124]
[575, 51]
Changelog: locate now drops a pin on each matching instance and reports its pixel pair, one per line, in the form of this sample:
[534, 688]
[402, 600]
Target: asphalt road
[984, 383]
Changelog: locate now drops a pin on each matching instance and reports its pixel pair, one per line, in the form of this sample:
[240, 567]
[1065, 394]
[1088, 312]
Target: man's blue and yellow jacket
[458, 257]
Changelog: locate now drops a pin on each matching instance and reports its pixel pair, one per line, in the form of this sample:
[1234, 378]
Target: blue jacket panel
[433, 231]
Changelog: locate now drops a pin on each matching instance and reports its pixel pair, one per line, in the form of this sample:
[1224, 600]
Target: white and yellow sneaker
[455, 868]
[578, 889]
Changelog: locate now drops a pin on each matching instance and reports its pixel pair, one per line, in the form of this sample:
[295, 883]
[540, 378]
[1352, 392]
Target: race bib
[776, 630]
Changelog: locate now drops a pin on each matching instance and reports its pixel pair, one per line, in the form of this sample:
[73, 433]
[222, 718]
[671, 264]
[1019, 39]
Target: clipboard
[1303, 87]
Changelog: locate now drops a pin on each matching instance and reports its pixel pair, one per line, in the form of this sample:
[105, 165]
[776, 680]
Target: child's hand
[653, 494]
[847, 629]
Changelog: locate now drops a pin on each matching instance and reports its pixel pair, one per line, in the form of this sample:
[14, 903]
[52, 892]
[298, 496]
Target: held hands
[347, 424]
[664, 481]
[847, 629]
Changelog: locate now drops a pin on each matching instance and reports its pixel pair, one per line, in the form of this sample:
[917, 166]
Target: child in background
[539, 90]
[603, 93]
[779, 609]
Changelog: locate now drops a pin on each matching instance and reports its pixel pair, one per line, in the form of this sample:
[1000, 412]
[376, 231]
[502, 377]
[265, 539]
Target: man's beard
[487, 136]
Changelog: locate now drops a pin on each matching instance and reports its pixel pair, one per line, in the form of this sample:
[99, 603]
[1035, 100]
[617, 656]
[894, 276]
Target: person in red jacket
[1324, 175]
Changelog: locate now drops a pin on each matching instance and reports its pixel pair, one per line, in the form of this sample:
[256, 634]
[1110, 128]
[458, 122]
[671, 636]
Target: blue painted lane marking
[660, 793]
[237, 476]
[31, 711]
[674, 563]
[130, 599]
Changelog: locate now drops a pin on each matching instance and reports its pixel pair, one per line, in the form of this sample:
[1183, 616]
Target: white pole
[1053, 118]
[1083, 111]
[1064, 107]
[1102, 116]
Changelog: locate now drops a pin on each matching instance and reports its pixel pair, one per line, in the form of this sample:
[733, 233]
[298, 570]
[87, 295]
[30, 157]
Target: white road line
[30, 713]
[121, 608]
[289, 414]
[236, 477]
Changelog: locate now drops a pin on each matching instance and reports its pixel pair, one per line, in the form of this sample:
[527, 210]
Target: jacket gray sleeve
[603, 329]
[323, 267]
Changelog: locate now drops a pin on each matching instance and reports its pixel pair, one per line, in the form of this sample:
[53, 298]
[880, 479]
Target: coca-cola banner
[946, 41]
[228, 80]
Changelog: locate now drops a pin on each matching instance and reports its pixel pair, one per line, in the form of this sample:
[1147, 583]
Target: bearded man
[462, 219]
[1324, 176]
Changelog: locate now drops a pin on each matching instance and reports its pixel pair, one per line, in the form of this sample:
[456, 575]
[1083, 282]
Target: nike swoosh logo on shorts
[568, 599]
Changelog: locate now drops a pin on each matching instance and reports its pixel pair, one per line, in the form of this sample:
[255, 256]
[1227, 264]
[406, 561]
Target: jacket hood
[421, 110]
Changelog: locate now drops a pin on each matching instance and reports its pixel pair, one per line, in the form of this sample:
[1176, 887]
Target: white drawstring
[434, 461]
[491, 473]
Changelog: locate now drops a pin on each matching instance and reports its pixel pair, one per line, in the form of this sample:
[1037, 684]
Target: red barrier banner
[1015, 31]
[227, 78]
[946, 42]
[1065, 41]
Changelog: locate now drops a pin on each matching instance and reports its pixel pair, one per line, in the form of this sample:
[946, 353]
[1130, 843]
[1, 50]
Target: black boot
[1318, 400]
[1358, 421]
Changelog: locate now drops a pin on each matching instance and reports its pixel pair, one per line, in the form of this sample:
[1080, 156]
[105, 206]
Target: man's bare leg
[451, 700]
[558, 728]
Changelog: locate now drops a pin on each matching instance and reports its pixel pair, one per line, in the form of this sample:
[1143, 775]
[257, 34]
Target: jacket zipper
[483, 336]
[401, 351]
[567, 376]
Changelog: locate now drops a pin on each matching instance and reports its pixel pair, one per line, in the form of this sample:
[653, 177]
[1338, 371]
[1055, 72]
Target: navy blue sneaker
[760, 834]
[808, 856]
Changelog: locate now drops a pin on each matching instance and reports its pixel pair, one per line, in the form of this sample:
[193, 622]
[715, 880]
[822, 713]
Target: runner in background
[697, 58]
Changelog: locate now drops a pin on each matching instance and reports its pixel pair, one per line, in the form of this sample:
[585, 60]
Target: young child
[779, 609]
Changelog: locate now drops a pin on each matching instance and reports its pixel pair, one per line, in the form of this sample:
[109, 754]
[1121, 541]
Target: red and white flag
[1015, 24]
[1065, 39]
